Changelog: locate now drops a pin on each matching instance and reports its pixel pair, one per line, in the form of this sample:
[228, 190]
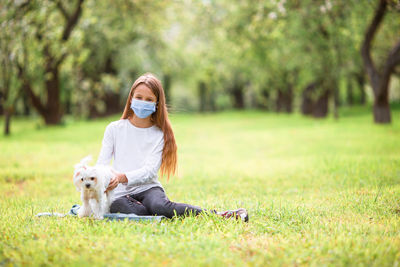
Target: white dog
[92, 181]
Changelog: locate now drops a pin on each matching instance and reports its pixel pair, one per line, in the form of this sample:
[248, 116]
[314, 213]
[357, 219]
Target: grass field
[319, 192]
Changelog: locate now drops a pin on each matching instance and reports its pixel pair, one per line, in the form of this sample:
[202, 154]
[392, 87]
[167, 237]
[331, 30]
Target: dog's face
[86, 178]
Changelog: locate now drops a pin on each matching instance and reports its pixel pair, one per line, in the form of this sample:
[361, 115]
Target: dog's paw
[83, 213]
[98, 217]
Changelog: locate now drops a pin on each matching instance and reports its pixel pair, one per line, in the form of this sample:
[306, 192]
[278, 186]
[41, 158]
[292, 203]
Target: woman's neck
[141, 123]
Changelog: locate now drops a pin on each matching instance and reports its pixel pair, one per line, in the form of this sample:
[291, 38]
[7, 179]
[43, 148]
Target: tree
[7, 77]
[380, 79]
[45, 44]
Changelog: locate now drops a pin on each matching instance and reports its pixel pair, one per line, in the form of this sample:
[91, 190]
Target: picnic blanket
[109, 216]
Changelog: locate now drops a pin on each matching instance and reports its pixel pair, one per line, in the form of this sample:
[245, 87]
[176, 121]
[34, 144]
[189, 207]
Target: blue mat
[108, 216]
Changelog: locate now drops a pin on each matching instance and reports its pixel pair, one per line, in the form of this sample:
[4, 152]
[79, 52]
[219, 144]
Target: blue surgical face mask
[143, 109]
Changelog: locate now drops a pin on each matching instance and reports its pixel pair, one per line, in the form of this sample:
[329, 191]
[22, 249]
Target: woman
[141, 143]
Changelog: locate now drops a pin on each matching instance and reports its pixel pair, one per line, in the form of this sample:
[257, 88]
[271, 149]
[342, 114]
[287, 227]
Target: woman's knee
[118, 205]
[128, 205]
[160, 207]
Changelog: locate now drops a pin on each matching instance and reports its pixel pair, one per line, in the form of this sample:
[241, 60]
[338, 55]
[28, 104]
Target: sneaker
[237, 214]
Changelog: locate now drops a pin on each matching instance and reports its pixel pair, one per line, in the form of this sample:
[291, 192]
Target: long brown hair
[160, 119]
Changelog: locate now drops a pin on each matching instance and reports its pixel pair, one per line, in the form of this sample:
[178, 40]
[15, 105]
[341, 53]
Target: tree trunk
[264, 103]
[238, 96]
[361, 84]
[7, 120]
[68, 104]
[349, 95]
[52, 119]
[53, 111]
[307, 102]
[382, 108]
[379, 79]
[112, 103]
[382, 111]
[109, 65]
[202, 89]
[280, 99]
[1, 105]
[320, 107]
[336, 100]
[25, 103]
[211, 100]
[167, 88]
[284, 100]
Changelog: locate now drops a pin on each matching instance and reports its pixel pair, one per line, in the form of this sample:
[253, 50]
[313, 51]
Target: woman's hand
[119, 178]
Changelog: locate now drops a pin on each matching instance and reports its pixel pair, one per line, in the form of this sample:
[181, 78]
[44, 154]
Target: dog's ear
[77, 181]
[78, 188]
[83, 162]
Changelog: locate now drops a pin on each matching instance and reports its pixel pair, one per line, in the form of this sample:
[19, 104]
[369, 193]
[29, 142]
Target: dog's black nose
[87, 185]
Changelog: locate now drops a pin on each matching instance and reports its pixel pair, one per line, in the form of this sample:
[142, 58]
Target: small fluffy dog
[92, 181]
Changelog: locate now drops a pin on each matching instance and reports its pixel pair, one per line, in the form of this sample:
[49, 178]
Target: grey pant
[152, 202]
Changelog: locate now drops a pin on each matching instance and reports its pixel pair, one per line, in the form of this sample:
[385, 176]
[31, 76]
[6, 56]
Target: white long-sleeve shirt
[137, 152]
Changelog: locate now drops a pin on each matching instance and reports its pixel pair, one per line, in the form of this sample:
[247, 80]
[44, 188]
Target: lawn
[319, 192]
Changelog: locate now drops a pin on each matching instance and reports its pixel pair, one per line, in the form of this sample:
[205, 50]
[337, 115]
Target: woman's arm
[150, 169]
[143, 175]
[107, 148]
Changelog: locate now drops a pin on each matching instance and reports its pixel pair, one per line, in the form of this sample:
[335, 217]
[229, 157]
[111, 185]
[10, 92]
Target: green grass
[319, 192]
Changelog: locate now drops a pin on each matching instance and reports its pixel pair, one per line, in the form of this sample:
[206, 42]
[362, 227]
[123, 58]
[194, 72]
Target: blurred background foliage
[81, 57]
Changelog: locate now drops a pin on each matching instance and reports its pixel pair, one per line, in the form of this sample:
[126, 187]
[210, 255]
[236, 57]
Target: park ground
[319, 192]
